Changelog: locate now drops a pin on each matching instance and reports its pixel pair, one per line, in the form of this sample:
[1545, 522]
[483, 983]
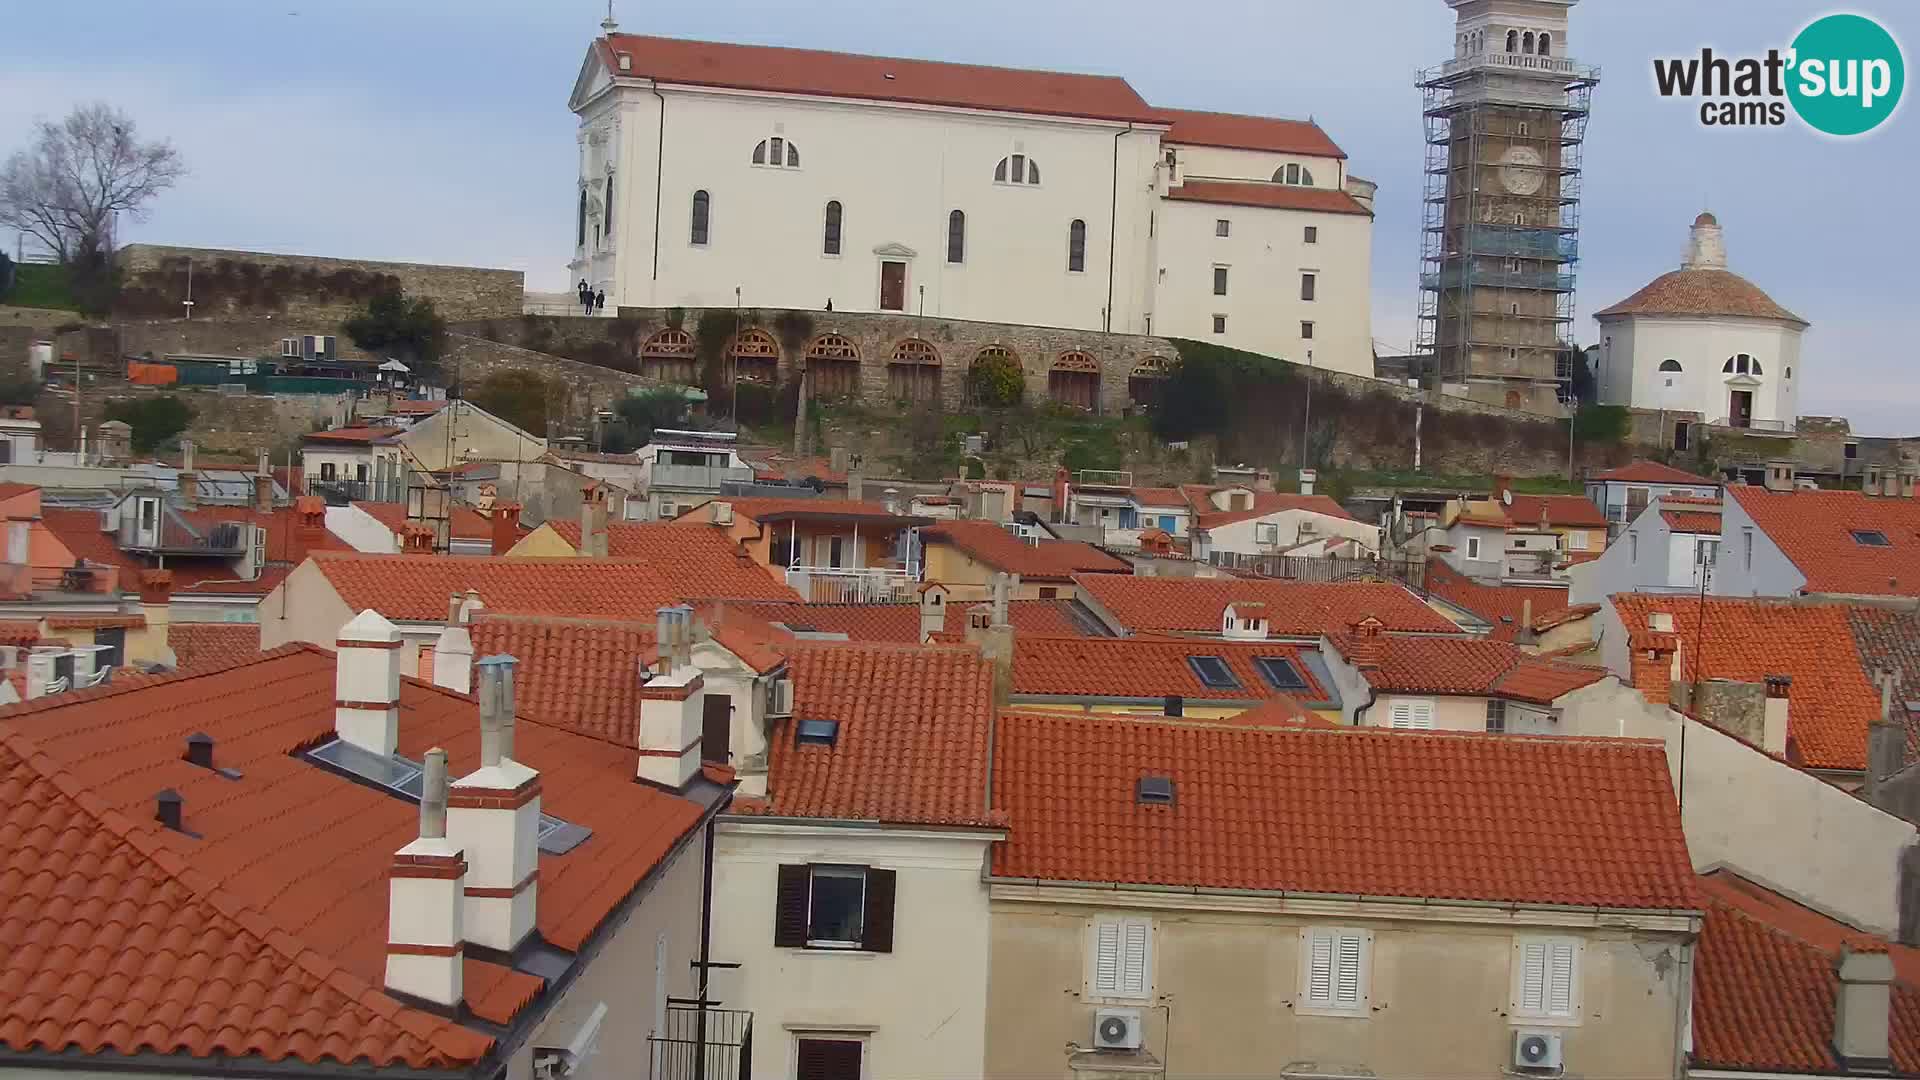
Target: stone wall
[469, 360]
[301, 287]
[224, 425]
[258, 336]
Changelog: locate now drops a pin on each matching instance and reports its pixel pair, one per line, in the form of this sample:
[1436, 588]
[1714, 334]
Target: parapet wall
[300, 287]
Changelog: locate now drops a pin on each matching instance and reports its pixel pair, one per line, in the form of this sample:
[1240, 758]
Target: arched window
[1294, 174]
[1077, 246]
[777, 153]
[1526, 42]
[956, 237]
[1669, 365]
[914, 373]
[581, 228]
[1756, 366]
[701, 210]
[668, 356]
[833, 366]
[1074, 380]
[1742, 364]
[1546, 44]
[609, 201]
[756, 356]
[1016, 169]
[1513, 41]
[831, 241]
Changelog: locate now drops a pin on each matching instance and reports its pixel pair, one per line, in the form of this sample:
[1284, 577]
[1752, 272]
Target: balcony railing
[1777, 427]
[848, 585]
[1506, 61]
[716, 1044]
[696, 477]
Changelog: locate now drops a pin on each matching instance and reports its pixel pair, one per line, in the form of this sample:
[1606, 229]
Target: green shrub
[518, 395]
[155, 420]
[996, 382]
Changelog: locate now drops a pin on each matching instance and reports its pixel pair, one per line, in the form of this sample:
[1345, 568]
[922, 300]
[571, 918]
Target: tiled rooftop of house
[464, 522]
[1560, 511]
[1701, 292]
[1764, 984]
[764, 508]
[1471, 667]
[991, 545]
[1889, 640]
[351, 436]
[1347, 812]
[1651, 472]
[1832, 698]
[1295, 608]
[708, 557]
[199, 646]
[1270, 195]
[1155, 668]
[1504, 607]
[1193, 128]
[1843, 541]
[901, 622]
[1264, 503]
[289, 541]
[273, 917]
[1683, 517]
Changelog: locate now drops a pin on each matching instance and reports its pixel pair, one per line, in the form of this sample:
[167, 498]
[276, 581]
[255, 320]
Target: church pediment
[592, 80]
[895, 250]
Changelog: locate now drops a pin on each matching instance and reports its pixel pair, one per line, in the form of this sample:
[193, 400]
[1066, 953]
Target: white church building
[1703, 339]
[715, 174]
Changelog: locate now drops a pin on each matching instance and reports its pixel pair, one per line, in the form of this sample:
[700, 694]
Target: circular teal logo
[1847, 75]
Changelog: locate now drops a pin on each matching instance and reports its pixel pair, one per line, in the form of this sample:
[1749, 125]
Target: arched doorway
[756, 357]
[833, 365]
[913, 374]
[669, 357]
[1074, 380]
[1146, 379]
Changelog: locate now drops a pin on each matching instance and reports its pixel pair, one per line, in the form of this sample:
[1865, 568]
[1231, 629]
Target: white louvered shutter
[1560, 979]
[1423, 715]
[1402, 714]
[1133, 958]
[1346, 980]
[1106, 957]
[1533, 978]
[1320, 967]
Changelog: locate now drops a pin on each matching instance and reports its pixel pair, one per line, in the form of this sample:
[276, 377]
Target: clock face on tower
[1521, 173]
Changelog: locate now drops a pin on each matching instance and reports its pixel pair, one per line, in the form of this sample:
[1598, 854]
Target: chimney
[1263, 480]
[189, 482]
[506, 526]
[426, 892]
[416, 539]
[1872, 481]
[1502, 484]
[1779, 476]
[1525, 634]
[263, 494]
[672, 706]
[1307, 479]
[156, 594]
[262, 463]
[1886, 740]
[996, 639]
[1773, 724]
[1363, 648]
[1062, 488]
[366, 686]
[169, 809]
[186, 455]
[838, 459]
[933, 610]
[593, 521]
[310, 521]
[453, 608]
[857, 477]
[453, 658]
[1736, 707]
[1863, 1007]
[1909, 481]
[493, 814]
[200, 750]
[891, 500]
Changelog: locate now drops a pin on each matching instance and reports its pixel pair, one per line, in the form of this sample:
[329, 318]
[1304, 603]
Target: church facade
[713, 174]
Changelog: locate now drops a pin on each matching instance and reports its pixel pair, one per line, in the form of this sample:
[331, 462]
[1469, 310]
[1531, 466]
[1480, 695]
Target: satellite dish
[1506, 497]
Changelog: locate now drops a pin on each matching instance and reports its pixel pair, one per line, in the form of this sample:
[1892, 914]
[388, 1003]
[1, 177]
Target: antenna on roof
[607, 25]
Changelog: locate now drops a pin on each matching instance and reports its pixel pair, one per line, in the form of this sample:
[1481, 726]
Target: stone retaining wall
[301, 287]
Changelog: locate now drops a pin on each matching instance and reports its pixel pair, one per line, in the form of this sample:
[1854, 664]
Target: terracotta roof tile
[1150, 668]
[95, 622]
[1814, 529]
[1268, 195]
[1472, 667]
[1346, 812]
[1160, 496]
[358, 435]
[1691, 521]
[761, 508]
[197, 646]
[1571, 511]
[1651, 472]
[1270, 502]
[287, 543]
[1236, 132]
[709, 557]
[1046, 560]
[901, 622]
[1890, 641]
[1832, 699]
[1296, 608]
[465, 522]
[19, 631]
[1701, 292]
[1502, 606]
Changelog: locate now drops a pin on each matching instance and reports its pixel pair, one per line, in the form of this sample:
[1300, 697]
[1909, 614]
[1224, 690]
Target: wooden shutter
[828, 1059]
[1106, 956]
[1134, 960]
[1319, 967]
[1560, 978]
[790, 908]
[877, 935]
[1533, 977]
[1347, 951]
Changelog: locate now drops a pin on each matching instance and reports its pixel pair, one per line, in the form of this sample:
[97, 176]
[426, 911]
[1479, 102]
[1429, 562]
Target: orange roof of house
[1345, 812]
[464, 522]
[1269, 502]
[19, 631]
[1571, 511]
[96, 622]
[900, 622]
[1235, 132]
[274, 917]
[1502, 606]
[198, 646]
[1764, 983]
[415, 588]
[1701, 292]
[820, 73]
[711, 557]
[912, 740]
[1268, 195]
[287, 543]
[1294, 608]
[1280, 711]
[1832, 699]
[1814, 530]
[1153, 668]
[1651, 472]
[1472, 667]
[989, 543]
[759, 508]
[1480, 514]
[1160, 496]
[359, 435]
[1691, 521]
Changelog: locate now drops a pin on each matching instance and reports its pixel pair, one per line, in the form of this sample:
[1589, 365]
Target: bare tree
[65, 190]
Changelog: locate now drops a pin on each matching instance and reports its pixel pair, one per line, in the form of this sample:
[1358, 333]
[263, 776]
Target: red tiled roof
[464, 522]
[901, 622]
[1160, 496]
[415, 588]
[1651, 472]
[1235, 132]
[197, 646]
[708, 556]
[1572, 511]
[1270, 196]
[912, 740]
[19, 632]
[1472, 667]
[358, 435]
[1150, 668]
[1284, 711]
[846, 75]
[758, 508]
[1442, 815]
[988, 543]
[292, 853]
[96, 622]
[1691, 521]
[1832, 699]
[779, 465]
[1502, 606]
[1294, 608]
[1814, 529]
[1270, 502]
[1764, 983]
[287, 543]
[1701, 292]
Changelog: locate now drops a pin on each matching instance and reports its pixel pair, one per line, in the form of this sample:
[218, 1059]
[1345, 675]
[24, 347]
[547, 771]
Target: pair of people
[591, 300]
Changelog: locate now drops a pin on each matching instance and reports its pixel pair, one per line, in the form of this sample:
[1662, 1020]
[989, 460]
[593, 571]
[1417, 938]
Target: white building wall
[1641, 343]
[920, 1008]
[1227, 163]
[346, 461]
[362, 531]
[1242, 536]
[1492, 563]
[1750, 563]
[1449, 713]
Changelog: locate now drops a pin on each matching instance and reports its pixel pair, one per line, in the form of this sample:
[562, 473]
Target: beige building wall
[305, 607]
[1225, 986]
[967, 578]
[542, 543]
[1449, 713]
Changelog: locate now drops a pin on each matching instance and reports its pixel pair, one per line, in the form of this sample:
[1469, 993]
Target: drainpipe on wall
[1113, 228]
[659, 172]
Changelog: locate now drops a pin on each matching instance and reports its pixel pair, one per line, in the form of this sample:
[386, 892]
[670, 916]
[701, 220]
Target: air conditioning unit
[1116, 1029]
[1534, 1049]
[722, 513]
[780, 697]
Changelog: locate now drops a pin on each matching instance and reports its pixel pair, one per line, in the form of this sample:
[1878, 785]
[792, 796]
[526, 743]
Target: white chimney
[453, 659]
[425, 900]
[1307, 479]
[366, 684]
[672, 706]
[933, 609]
[1862, 1010]
[1773, 728]
[493, 814]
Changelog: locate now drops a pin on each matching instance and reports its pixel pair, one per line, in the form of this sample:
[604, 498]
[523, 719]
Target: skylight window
[403, 776]
[1280, 673]
[818, 732]
[1155, 790]
[1871, 538]
[1213, 672]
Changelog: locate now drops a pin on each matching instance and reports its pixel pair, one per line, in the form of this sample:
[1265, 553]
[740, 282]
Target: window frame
[1219, 323]
[956, 237]
[1118, 993]
[1546, 1015]
[1306, 329]
[842, 871]
[1310, 234]
[1222, 227]
[700, 219]
[1309, 286]
[832, 229]
[1077, 246]
[1473, 548]
[1496, 716]
[1415, 707]
[1305, 1004]
[1870, 538]
[857, 1038]
[1221, 275]
[1233, 678]
[1263, 664]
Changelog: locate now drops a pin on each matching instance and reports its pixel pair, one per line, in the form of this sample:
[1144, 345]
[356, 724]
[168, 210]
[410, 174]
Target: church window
[1294, 174]
[1526, 42]
[1545, 45]
[1742, 364]
[1016, 169]
[1669, 365]
[1077, 246]
[580, 227]
[1513, 41]
[831, 242]
[609, 201]
[702, 204]
[957, 237]
[777, 153]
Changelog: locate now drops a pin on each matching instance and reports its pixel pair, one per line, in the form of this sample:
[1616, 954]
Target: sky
[437, 131]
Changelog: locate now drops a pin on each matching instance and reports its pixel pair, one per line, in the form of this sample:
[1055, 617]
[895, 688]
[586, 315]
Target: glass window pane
[838, 900]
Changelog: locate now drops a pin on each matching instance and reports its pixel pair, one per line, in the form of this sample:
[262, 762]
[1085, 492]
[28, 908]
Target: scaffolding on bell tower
[1500, 227]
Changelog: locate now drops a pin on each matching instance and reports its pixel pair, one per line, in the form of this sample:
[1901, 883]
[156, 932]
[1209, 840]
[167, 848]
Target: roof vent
[1155, 791]
[169, 810]
[200, 752]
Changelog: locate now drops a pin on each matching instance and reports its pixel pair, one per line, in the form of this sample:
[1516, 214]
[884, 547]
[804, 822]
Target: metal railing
[1779, 426]
[846, 585]
[1309, 568]
[1104, 478]
[1514, 61]
[714, 1045]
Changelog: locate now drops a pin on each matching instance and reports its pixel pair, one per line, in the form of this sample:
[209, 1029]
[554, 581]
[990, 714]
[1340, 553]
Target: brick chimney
[506, 526]
[310, 521]
[493, 814]
[1886, 740]
[262, 494]
[1363, 648]
[593, 521]
[426, 895]
[416, 539]
[366, 687]
[1863, 1007]
[189, 482]
[1502, 484]
[672, 705]
[156, 596]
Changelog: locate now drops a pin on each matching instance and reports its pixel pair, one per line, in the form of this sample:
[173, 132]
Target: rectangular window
[1546, 978]
[327, 472]
[1749, 538]
[836, 903]
[1637, 499]
[1279, 673]
[1049, 592]
[1473, 547]
[1219, 324]
[1308, 283]
[115, 639]
[1222, 227]
[1411, 713]
[827, 1059]
[1633, 547]
[1577, 540]
[1306, 330]
[1496, 716]
[1333, 971]
[1121, 958]
[1219, 281]
[1311, 235]
[1706, 552]
[1213, 672]
[1871, 538]
[832, 906]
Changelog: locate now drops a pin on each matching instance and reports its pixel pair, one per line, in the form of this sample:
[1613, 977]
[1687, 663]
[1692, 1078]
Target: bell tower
[1505, 121]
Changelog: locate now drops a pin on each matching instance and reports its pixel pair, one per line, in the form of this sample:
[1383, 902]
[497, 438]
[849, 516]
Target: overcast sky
[437, 130]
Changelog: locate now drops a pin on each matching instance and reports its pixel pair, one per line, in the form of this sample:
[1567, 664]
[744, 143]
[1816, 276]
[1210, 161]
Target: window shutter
[1319, 967]
[1423, 715]
[1346, 983]
[878, 933]
[1106, 957]
[1533, 977]
[1133, 967]
[1402, 714]
[1560, 979]
[790, 908]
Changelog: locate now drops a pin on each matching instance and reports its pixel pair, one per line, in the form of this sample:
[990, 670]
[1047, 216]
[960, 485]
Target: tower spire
[608, 25]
